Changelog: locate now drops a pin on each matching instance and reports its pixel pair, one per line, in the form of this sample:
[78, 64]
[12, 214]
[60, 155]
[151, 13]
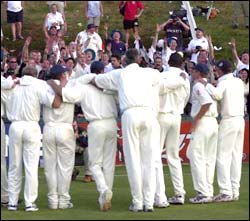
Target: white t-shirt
[80, 71]
[95, 41]
[197, 42]
[54, 18]
[200, 97]
[14, 6]
[108, 68]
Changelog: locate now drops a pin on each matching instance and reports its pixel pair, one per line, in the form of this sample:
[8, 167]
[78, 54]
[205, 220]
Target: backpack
[122, 9]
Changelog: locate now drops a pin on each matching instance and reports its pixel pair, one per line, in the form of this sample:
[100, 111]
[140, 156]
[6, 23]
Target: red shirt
[131, 9]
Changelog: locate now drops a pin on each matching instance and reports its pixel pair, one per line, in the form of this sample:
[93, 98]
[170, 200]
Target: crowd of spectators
[90, 46]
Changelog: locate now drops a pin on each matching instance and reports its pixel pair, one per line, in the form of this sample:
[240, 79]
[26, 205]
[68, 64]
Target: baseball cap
[57, 70]
[224, 65]
[199, 29]
[89, 26]
[203, 68]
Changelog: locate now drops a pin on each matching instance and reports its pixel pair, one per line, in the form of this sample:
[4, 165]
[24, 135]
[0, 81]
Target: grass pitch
[84, 197]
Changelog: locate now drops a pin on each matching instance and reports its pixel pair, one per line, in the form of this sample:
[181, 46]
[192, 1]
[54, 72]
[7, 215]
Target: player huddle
[151, 104]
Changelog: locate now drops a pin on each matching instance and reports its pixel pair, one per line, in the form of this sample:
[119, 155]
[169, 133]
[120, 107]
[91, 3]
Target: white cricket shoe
[12, 207]
[32, 208]
[162, 205]
[177, 199]
[68, 205]
[200, 198]
[135, 208]
[223, 198]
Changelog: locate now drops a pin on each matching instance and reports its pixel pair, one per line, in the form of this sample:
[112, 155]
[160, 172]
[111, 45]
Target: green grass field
[84, 197]
[155, 12]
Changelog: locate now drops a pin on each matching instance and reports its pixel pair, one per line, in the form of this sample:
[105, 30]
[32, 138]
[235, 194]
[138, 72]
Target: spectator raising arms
[89, 39]
[54, 18]
[114, 45]
[174, 27]
[131, 15]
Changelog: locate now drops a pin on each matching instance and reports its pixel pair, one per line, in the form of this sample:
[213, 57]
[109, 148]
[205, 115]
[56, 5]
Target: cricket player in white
[230, 93]
[101, 112]
[203, 144]
[6, 85]
[171, 108]
[23, 110]
[59, 146]
[167, 85]
[136, 93]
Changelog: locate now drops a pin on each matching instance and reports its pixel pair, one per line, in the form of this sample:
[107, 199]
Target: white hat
[160, 43]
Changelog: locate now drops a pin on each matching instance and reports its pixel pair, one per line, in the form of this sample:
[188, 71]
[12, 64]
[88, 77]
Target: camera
[198, 47]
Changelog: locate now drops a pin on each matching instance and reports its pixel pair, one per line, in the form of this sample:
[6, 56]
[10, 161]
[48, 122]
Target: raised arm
[210, 48]
[185, 26]
[45, 29]
[234, 51]
[158, 29]
[25, 50]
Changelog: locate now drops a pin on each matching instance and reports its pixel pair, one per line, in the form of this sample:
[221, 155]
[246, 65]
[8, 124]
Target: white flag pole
[190, 17]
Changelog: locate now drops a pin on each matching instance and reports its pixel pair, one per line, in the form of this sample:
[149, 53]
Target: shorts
[94, 20]
[14, 17]
[127, 24]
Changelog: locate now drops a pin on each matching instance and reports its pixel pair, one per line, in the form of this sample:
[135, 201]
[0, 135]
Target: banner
[183, 143]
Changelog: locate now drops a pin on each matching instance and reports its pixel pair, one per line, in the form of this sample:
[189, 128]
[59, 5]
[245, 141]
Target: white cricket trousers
[59, 158]
[229, 155]
[139, 126]
[102, 143]
[24, 148]
[160, 194]
[86, 162]
[201, 152]
[170, 134]
[4, 180]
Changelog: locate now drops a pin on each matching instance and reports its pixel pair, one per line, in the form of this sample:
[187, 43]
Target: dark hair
[175, 60]
[97, 67]
[117, 56]
[70, 58]
[132, 56]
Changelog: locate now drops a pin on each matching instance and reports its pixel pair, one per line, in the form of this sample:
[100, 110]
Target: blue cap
[224, 65]
[203, 68]
[58, 69]
[116, 30]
